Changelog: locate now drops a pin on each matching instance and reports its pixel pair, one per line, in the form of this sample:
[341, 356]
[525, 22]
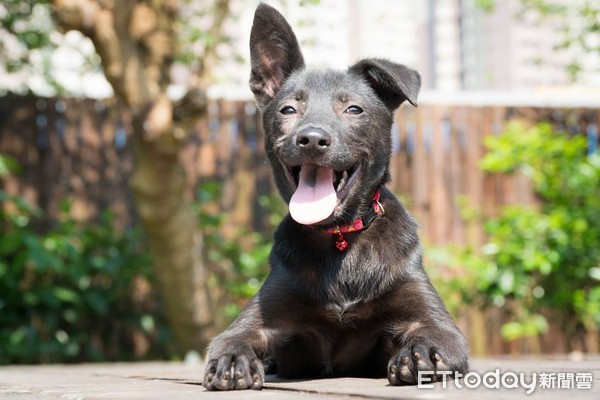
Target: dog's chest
[345, 312]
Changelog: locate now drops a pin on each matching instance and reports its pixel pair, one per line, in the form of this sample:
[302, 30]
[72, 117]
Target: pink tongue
[315, 198]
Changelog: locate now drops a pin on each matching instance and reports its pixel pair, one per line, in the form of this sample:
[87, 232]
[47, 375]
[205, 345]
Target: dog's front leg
[233, 356]
[428, 342]
[433, 353]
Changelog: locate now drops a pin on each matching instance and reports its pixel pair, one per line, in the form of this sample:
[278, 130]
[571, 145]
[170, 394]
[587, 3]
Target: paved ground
[571, 378]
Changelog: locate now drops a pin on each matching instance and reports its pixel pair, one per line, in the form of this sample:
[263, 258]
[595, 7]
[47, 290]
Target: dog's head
[327, 132]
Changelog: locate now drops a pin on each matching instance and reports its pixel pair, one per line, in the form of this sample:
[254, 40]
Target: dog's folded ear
[274, 53]
[393, 83]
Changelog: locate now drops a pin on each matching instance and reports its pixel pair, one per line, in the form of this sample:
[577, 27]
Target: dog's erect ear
[274, 53]
[392, 82]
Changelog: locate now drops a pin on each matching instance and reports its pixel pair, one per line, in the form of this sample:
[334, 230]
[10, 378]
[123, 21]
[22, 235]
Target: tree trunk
[176, 245]
[136, 41]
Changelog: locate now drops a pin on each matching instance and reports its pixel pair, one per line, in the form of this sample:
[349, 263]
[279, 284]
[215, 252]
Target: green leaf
[8, 165]
[65, 295]
[528, 327]
[147, 323]
[507, 281]
[18, 336]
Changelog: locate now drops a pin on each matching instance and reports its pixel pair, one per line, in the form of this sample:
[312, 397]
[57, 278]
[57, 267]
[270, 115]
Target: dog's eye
[288, 110]
[354, 110]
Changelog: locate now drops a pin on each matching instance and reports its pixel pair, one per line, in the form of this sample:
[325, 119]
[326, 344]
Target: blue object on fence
[213, 115]
[41, 121]
[61, 129]
[592, 138]
[233, 135]
[428, 131]
[60, 106]
[250, 126]
[395, 132]
[251, 137]
[60, 125]
[120, 136]
[496, 128]
[250, 109]
[446, 134]
[411, 129]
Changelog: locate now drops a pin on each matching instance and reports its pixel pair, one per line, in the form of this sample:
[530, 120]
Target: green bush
[239, 260]
[84, 292]
[540, 260]
[77, 292]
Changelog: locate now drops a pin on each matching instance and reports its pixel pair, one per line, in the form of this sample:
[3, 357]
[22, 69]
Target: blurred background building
[455, 44]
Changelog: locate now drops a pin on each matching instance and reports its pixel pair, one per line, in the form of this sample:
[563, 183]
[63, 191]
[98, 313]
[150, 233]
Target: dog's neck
[376, 210]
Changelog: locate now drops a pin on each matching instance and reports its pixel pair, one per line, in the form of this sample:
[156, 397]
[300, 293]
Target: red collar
[359, 224]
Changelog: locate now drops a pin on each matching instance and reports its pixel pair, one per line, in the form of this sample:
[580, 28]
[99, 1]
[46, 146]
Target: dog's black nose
[313, 139]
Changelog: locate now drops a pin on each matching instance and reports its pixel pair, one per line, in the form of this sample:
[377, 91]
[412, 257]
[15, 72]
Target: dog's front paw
[416, 356]
[234, 372]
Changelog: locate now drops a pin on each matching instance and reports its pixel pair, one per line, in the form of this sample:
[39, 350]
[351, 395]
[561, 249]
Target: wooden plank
[401, 166]
[458, 171]
[420, 187]
[438, 180]
[409, 129]
[181, 381]
[474, 176]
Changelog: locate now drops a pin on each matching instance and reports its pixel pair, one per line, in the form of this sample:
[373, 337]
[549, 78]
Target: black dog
[347, 294]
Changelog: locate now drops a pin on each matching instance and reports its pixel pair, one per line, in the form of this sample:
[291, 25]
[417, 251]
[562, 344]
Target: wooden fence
[80, 149]
[76, 149]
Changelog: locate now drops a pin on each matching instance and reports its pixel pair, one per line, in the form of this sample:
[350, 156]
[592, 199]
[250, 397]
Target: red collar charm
[361, 223]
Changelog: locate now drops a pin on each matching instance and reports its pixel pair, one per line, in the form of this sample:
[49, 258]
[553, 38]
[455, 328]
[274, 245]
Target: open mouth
[342, 179]
[318, 190]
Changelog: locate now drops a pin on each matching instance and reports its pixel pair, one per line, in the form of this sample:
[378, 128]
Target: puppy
[347, 294]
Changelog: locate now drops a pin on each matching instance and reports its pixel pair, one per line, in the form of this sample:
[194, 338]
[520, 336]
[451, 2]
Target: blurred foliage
[197, 33]
[29, 22]
[85, 292]
[8, 165]
[77, 292]
[579, 19]
[581, 29]
[28, 37]
[238, 259]
[538, 261]
[486, 5]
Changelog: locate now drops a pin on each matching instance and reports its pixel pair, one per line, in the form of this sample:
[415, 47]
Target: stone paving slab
[175, 381]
